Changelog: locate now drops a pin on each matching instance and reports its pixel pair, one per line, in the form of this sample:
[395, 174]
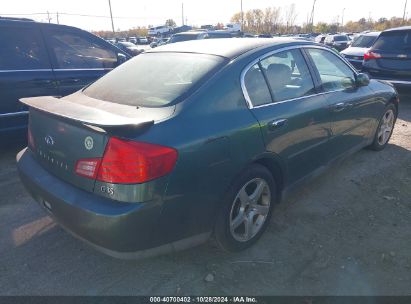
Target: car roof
[227, 47]
[402, 28]
[371, 34]
[14, 21]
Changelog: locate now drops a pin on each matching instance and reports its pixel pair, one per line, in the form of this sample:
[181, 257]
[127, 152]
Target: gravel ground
[347, 232]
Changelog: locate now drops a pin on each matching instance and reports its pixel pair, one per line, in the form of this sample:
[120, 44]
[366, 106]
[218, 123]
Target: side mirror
[362, 80]
[121, 58]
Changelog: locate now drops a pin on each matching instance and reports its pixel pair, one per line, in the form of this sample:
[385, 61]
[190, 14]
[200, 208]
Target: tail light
[371, 55]
[88, 167]
[30, 139]
[129, 162]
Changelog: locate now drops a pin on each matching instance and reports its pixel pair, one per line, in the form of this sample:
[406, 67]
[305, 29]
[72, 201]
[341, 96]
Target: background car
[38, 59]
[390, 57]
[338, 42]
[129, 48]
[132, 40]
[219, 34]
[320, 39]
[142, 40]
[159, 30]
[361, 44]
[159, 41]
[198, 138]
[186, 36]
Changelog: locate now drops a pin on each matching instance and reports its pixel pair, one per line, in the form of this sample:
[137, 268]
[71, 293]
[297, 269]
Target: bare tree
[290, 16]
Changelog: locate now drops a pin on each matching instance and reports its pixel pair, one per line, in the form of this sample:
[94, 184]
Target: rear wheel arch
[275, 166]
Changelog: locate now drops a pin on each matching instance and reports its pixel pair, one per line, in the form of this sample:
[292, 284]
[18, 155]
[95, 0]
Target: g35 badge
[107, 190]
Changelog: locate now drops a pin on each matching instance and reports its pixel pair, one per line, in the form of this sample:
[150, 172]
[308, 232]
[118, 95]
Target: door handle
[338, 107]
[274, 125]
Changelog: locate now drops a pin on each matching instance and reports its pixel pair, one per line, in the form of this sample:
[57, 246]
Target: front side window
[256, 86]
[74, 51]
[22, 49]
[335, 74]
[154, 79]
[288, 75]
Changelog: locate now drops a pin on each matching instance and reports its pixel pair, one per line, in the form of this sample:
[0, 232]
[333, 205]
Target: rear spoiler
[111, 118]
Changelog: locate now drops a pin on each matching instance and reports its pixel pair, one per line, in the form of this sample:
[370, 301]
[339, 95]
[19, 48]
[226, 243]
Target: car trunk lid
[78, 127]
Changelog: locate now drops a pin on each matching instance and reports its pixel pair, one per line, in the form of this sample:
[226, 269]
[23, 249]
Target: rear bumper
[121, 230]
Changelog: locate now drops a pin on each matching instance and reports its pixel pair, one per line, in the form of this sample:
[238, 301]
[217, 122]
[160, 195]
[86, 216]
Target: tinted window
[334, 73]
[154, 79]
[77, 51]
[340, 38]
[22, 49]
[184, 37]
[288, 75]
[256, 86]
[364, 41]
[394, 41]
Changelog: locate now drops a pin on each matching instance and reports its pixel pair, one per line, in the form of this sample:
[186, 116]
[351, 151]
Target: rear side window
[77, 51]
[334, 73]
[256, 86]
[154, 79]
[394, 41]
[288, 75]
[22, 49]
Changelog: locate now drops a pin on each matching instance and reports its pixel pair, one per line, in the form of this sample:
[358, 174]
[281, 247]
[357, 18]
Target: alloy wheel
[386, 128]
[250, 209]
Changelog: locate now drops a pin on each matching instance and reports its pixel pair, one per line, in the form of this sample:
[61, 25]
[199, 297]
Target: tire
[242, 219]
[387, 123]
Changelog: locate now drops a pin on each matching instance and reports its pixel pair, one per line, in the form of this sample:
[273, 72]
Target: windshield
[179, 38]
[364, 41]
[340, 38]
[154, 79]
[394, 41]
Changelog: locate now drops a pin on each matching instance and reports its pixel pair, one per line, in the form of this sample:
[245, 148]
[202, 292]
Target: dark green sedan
[198, 139]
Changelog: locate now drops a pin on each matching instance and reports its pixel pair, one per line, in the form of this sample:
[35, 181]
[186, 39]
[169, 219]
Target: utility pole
[57, 15]
[182, 13]
[312, 15]
[405, 11]
[342, 18]
[48, 16]
[111, 16]
[242, 15]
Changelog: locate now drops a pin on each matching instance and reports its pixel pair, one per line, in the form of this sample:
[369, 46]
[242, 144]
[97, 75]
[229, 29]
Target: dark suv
[390, 57]
[38, 59]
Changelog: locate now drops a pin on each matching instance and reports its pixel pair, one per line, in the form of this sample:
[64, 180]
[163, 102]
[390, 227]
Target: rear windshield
[364, 41]
[340, 38]
[394, 41]
[154, 79]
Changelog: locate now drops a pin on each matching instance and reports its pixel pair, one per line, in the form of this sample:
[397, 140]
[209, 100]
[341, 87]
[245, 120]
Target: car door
[294, 119]
[25, 71]
[78, 58]
[351, 106]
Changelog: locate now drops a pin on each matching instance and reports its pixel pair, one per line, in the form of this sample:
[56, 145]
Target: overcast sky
[128, 13]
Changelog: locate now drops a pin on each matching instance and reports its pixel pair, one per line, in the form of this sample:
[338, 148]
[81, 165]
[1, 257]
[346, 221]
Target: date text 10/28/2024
[203, 300]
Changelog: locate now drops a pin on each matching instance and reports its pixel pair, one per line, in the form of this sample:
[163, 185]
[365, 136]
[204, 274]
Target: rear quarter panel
[216, 137]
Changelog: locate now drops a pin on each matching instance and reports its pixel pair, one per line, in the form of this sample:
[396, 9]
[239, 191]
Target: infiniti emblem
[49, 140]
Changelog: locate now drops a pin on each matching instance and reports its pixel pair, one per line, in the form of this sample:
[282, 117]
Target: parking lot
[346, 232]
